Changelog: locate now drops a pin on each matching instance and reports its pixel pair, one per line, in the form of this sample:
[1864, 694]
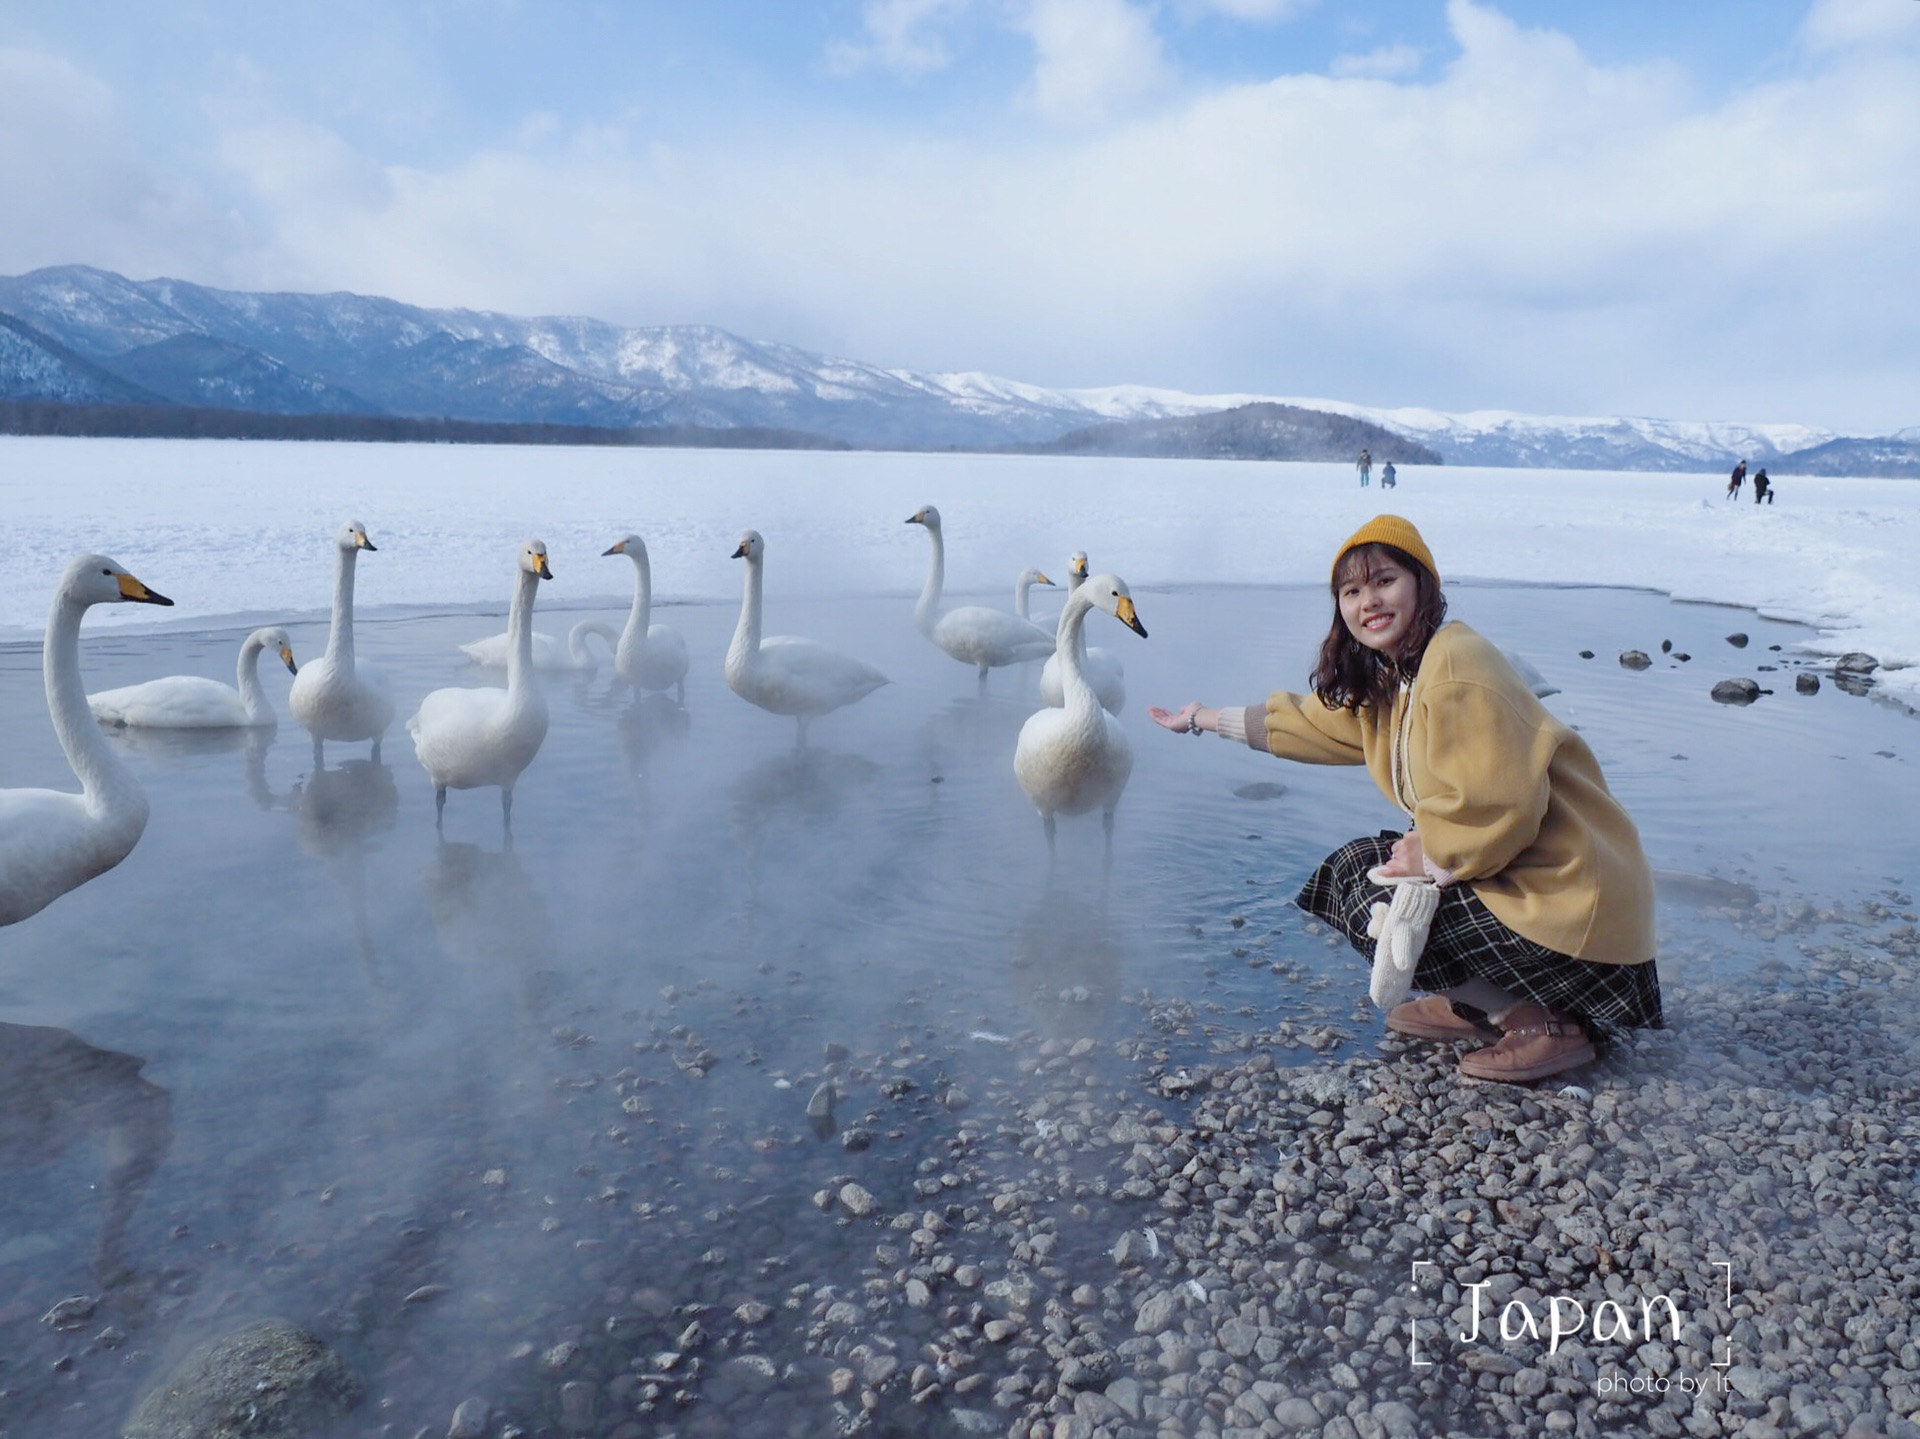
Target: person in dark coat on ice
[1737, 479]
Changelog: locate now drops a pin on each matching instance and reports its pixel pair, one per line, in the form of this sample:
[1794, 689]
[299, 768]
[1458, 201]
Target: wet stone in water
[1634, 660]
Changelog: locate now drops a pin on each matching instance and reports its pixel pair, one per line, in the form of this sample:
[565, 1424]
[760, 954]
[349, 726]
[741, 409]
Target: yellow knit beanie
[1390, 530]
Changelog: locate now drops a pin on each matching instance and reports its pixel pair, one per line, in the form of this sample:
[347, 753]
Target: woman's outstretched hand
[1184, 720]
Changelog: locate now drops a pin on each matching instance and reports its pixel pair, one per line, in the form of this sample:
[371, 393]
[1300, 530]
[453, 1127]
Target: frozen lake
[568, 1081]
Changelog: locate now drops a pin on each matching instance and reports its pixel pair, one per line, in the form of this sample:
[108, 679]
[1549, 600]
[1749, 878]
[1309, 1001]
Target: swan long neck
[340, 633]
[1020, 588]
[109, 786]
[1070, 644]
[252, 694]
[520, 635]
[927, 612]
[746, 636]
[633, 638]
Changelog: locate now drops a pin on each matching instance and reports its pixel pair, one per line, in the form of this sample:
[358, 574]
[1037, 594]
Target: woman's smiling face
[1377, 600]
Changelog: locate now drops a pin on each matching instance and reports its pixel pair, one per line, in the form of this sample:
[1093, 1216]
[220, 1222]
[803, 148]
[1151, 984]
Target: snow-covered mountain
[88, 336]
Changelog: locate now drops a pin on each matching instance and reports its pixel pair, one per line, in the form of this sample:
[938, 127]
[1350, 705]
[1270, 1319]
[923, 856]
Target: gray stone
[1634, 660]
[1397, 1419]
[1297, 1416]
[470, 1420]
[1856, 662]
[1736, 692]
[1157, 1313]
[267, 1381]
[1807, 684]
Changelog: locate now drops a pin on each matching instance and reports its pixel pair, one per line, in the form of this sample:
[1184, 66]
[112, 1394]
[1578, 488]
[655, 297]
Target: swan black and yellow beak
[286, 658]
[361, 541]
[740, 551]
[619, 549]
[1041, 580]
[542, 568]
[1080, 568]
[1129, 618]
[132, 589]
[919, 519]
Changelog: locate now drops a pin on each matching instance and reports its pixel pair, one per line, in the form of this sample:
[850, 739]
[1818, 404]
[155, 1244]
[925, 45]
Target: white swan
[472, 738]
[973, 634]
[1029, 577]
[649, 656]
[549, 653]
[51, 842]
[333, 697]
[1076, 758]
[193, 702]
[785, 674]
[1102, 669]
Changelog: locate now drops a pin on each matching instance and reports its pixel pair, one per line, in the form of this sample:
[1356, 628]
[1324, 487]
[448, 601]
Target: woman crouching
[1519, 895]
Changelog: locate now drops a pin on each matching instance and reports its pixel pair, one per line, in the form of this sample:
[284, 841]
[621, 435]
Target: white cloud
[1255, 10]
[1524, 228]
[1389, 62]
[902, 37]
[77, 186]
[1846, 24]
[1093, 58]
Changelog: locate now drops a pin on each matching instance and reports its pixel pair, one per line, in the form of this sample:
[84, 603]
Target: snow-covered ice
[244, 528]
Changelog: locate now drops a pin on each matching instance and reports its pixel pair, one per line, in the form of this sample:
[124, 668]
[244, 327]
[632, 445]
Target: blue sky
[1696, 211]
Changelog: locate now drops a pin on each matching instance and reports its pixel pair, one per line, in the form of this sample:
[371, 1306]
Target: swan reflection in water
[797, 790]
[488, 912]
[1067, 960]
[648, 726]
[57, 1090]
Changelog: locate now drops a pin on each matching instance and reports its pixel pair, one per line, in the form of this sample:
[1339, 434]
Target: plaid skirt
[1467, 942]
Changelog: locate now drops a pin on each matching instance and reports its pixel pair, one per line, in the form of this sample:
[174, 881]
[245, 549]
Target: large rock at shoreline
[268, 1381]
[1736, 692]
[1856, 662]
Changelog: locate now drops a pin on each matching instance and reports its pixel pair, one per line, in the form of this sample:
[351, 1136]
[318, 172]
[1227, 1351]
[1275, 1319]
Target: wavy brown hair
[1352, 677]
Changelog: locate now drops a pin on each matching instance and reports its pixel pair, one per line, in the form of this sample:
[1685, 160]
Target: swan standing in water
[191, 702]
[333, 697]
[784, 674]
[1076, 758]
[51, 842]
[973, 634]
[1103, 671]
[548, 653]
[649, 656]
[468, 738]
[1028, 579]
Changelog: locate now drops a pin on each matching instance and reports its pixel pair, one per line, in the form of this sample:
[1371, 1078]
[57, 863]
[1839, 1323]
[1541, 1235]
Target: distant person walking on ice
[1762, 487]
[1519, 896]
[1365, 465]
[1387, 480]
[1737, 479]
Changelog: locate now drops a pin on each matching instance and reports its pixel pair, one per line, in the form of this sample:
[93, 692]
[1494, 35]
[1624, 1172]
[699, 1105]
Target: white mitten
[1400, 931]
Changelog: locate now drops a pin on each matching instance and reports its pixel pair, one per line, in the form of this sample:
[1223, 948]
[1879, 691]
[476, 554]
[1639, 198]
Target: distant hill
[34, 366]
[76, 335]
[1890, 458]
[1260, 431]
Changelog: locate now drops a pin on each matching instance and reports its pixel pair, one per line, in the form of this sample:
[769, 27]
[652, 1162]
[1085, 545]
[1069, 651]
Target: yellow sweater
[1504, 796]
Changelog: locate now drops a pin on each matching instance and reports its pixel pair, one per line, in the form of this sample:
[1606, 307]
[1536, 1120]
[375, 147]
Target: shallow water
[375, 1060]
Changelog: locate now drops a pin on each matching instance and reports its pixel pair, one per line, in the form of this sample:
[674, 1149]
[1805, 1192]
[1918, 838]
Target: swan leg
[1046, 823]
[983, 679]
[376, 749]
[439, 808]
[801, 743]
[681, 691]
[319, 754]
[506, 806]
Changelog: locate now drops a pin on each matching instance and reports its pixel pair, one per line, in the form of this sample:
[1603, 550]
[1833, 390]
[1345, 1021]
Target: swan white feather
[334, 697]
[549, 653]
[476, 738]
[648, 656]
[1101, 667]
[1076, 758]
[50, 841]
[195, 702]
[785, 674]
[973, 634]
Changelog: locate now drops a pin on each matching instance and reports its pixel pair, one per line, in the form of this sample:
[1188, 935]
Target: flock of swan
[1071, 757]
